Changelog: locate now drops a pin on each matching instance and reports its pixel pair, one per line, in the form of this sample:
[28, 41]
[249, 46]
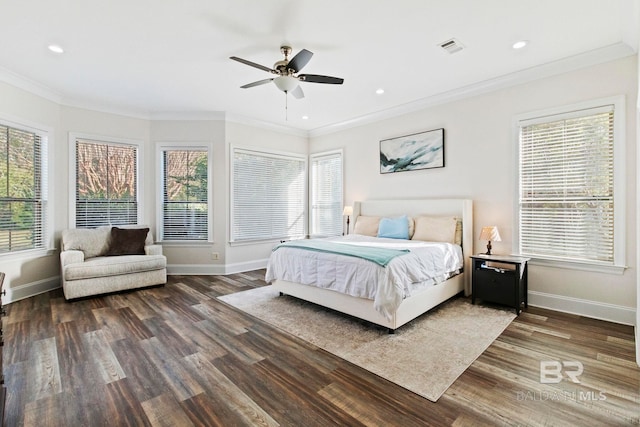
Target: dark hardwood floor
[177, 356]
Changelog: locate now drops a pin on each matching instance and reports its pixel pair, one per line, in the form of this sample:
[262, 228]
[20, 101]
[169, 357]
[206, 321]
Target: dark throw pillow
[127, 241]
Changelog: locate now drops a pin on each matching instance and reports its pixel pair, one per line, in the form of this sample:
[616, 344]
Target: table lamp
[489, 234]
[348, 211]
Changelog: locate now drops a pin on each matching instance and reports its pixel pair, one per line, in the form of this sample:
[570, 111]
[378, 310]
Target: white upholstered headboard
[461, 208]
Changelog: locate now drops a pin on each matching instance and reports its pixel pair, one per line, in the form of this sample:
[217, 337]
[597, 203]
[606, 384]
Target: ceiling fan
[287, 71]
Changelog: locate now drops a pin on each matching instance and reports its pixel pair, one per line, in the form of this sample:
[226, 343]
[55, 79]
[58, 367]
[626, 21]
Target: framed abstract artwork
[424, 150]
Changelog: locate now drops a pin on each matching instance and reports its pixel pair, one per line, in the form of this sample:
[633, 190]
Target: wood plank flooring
[177, 356]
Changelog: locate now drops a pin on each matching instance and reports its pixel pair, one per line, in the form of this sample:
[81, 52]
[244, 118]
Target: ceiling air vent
[452, 46]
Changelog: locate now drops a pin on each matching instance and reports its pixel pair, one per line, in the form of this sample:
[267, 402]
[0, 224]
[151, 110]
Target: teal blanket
[381, 256]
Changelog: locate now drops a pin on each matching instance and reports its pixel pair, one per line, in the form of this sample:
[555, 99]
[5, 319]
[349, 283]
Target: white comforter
[426, 264]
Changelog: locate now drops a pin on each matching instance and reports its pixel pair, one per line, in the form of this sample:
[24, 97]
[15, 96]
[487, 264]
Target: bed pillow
[394, 228]
[458, 237]
[367, 225]
[127, 241]
[412, 227]
[435, 229]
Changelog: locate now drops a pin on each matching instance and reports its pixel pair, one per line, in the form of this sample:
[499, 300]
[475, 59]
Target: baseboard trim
[16, 293]
[581, 307]
[215, 269]
[194, 270]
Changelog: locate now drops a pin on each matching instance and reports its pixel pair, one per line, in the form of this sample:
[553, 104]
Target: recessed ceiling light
[380, 91]
[520, 44]
[55, 48]
[305, 117]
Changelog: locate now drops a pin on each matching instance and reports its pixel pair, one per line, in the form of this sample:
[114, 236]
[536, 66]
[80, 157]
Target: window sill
[263, 241]
[579, 265]
[29, 254]
[184, 243]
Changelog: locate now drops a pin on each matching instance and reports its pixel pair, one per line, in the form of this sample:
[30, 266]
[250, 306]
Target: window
[106, 185]
[571, 195]
[23, 189]
[326, 194]
[269, 196]
[185, 194]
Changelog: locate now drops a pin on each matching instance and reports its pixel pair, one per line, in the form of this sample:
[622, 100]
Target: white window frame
[161, 147]
[312, 157]
[267, 152]
[73, 137]
[619, 149]
[46, 134]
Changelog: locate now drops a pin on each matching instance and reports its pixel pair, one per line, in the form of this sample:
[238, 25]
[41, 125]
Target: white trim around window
[161, 147]
[73, 138]
[618, 263]
[46, 135]
[258, 203]
[326, 190]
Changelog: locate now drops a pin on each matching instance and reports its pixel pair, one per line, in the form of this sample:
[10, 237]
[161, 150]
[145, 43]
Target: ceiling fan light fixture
[286, 83]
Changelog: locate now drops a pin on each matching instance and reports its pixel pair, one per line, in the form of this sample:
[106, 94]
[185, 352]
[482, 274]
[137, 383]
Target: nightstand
[501, 279]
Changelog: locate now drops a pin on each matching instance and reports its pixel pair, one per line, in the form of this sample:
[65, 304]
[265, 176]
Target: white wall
[637, 328]
[27, 275]
[21, 107]
[480, 164]
[480, 157]
[197, 257]
[242, 257]
[108, 126]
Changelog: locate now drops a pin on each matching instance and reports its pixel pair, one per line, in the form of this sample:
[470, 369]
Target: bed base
[362, 308]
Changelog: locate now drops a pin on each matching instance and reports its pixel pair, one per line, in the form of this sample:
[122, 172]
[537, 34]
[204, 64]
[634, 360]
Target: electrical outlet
[215, 255]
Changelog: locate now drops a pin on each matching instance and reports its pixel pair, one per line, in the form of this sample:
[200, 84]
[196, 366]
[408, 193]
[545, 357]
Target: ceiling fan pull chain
[286, 107]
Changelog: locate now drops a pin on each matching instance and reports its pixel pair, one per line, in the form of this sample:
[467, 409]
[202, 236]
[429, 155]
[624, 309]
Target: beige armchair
[98, 261]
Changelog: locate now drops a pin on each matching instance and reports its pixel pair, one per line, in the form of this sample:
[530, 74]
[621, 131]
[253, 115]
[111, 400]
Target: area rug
[425, 356]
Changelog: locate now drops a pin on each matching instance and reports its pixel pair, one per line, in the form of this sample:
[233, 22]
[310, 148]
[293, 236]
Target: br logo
[551, 371]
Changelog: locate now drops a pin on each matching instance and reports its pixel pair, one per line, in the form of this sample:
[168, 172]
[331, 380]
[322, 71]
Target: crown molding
[131, 113]
[188, 115]
[243, 120]
[29, 85]
[583, 60]
[572, 63]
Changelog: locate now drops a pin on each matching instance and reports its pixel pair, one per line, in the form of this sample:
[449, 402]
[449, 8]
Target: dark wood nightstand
[501, 279]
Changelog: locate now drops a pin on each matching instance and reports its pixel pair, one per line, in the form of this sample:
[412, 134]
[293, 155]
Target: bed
[289, 282]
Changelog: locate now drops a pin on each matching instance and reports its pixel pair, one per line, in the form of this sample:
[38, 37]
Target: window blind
[269, 192]
[22, 190]
[326, 194]
[185, 195]
[106, 184]
[567, 186]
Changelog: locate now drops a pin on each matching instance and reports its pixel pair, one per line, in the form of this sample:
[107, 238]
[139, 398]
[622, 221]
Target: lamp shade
[348, 211]
[490, 233]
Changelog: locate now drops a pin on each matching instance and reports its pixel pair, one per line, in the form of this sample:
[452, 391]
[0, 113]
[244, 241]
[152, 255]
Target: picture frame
[423, 150]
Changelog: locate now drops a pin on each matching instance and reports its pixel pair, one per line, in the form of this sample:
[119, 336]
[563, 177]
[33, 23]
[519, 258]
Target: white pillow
[435, 229]
[367, 225]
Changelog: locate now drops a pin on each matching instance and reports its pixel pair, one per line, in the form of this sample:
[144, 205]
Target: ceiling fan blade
[258, 83]
[253, 64]
[297, 92]
[300, 60]
[315, 78]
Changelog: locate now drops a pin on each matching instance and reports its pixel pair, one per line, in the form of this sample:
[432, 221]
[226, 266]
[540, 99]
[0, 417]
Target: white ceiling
[170, 58]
